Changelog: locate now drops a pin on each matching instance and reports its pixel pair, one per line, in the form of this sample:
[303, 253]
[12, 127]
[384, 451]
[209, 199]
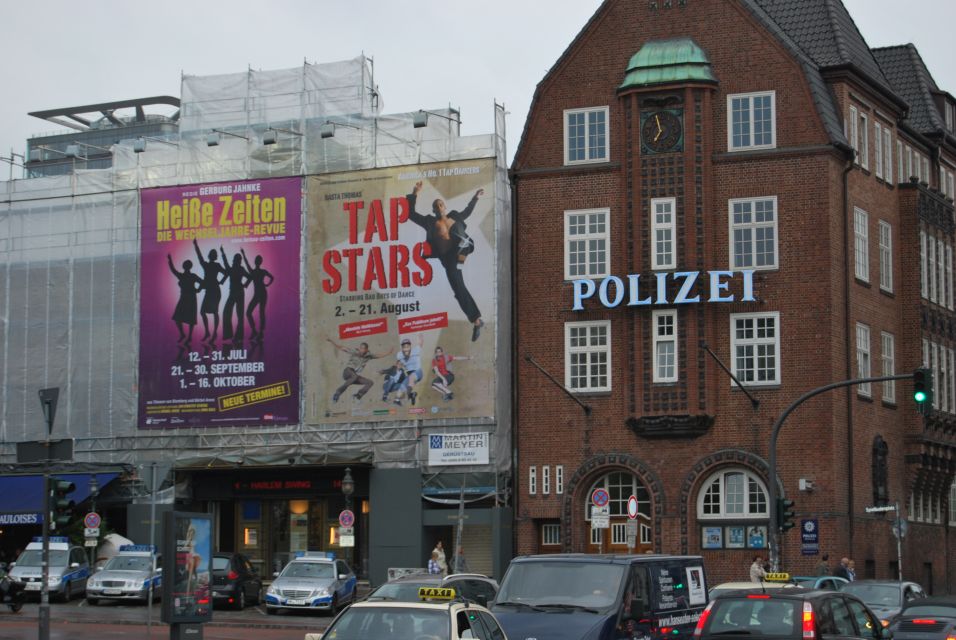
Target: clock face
[662, 131]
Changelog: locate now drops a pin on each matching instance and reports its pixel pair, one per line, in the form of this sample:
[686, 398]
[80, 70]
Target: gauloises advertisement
[401, 303]
[219, 320]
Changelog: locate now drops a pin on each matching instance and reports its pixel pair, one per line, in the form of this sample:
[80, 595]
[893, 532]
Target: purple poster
[219, 304]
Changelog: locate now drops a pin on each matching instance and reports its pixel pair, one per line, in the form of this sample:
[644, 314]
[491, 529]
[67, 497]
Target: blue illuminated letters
[612, 290]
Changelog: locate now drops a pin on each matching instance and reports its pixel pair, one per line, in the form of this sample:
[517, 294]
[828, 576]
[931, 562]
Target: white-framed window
[621, 485]
[925, 174]
[952, 379]
[944, 381]
[596, 536]
[931, 244]
[855, 132]
[532, 480]
[587, 242]
[546, 480]
[934, 365]
[755, 347]
[908, 151]
[888, 356]
[586, 135]
[864, 140]
[550, 534]
[863, 358]
[752, 121]
[899, 161]
[941, 271]
[587, 356]
[923, 266]
[942, 180]
[618, 533]
[911, 508]
[952, 504]
[949, 276]
[665, 345]
[861, 238]
[645, 533]
[663, 233]
[753, 233]
[886, 256]
[950, 185]
[878, 149]
[559, 479]
[732, 493]
[888, 154]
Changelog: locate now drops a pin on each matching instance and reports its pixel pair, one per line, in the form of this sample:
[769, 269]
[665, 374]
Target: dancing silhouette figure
[257, 277]
[189, 286]
[212, 276]
[236, 302]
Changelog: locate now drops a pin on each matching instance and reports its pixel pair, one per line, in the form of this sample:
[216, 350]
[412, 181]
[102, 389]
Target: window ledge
[862, 282]
[888, 292]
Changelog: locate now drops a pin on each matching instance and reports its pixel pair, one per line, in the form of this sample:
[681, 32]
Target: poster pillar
[187, 573]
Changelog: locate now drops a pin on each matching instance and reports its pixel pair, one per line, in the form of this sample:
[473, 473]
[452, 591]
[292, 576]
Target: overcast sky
[428, 54]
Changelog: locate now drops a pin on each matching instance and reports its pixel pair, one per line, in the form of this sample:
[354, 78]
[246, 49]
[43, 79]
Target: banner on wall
[219, 304]
[401, 314]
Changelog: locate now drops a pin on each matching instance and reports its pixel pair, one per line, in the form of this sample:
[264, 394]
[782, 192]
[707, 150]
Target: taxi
[129, 575]
[439, 614]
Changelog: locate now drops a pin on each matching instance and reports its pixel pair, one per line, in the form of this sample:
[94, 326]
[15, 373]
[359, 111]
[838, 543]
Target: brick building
[802, 184]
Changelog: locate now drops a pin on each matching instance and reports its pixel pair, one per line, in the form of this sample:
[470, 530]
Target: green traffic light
[919, 396]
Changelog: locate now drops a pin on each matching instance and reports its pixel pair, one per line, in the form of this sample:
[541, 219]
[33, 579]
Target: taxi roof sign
[777, 577]
[436, 593]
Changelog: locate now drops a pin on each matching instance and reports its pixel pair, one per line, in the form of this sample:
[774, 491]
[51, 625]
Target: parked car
[473, 587]
[312, 582]
[885, 597]
[129, 575]
[235, 582]
[437, 614]
[926, 619]
[726, 587]
[69, 569]
[789, 614]
[828, 583]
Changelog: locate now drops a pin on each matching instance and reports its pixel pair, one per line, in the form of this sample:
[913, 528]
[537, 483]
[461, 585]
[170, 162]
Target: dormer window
[950, 114]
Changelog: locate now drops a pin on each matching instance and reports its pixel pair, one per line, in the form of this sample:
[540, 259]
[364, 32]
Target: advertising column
[187, 573]
[401, 317]
[219, 309]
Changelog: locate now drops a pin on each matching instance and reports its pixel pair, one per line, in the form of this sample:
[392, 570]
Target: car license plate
[33, 586]
[111, 592]
[293, 602]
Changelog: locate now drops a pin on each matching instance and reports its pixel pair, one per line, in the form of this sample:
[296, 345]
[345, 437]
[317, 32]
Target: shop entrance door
[620, 486]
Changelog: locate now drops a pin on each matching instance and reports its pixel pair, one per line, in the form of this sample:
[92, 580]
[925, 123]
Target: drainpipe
[514, 363]
[847, 217]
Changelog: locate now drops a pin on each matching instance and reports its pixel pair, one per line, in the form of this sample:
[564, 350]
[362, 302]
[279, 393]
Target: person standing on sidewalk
[757, 572]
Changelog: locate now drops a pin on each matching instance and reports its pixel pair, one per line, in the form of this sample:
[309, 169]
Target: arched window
[732, 511]
[732, 494]
[621, 486]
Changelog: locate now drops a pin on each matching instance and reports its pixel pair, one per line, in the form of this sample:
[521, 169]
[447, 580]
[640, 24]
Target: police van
[601, 597]
[69, 568]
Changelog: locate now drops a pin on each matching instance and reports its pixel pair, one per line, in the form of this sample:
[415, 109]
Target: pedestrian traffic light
[785, 514]
[61, 506]
[923, 389]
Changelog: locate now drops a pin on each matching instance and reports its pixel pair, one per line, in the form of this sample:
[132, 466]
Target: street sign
[600, 497]
[92, 520]
[632, 507]
[346, 536]
[880, 509]
[91, 532]
[600, 517]
[44, 450]
[631, 532]
[89, 542]
[899, 528]
[346, 518]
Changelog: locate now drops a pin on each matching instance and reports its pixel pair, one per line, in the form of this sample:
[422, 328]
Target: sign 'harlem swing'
[611, 290]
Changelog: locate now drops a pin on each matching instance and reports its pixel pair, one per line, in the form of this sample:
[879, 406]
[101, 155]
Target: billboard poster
[187, 568]
[458, 448]
[402, 311]
[219, 304]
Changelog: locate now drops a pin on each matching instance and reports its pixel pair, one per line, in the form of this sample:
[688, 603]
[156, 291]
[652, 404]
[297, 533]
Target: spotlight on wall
[327, 130]
[271, 135]
[139, 145]
[212, 139]
[420, 118]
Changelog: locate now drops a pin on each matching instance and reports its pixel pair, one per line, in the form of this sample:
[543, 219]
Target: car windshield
[128, 563]
[752, 616]
[308, 570]
[401, 591]
[34, 558]
[586, 584]
[220, 564]
[947, 611]
[875, 595]
[384, 623]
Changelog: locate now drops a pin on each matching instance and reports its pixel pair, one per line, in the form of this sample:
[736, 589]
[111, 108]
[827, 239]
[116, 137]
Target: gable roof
[906, 72]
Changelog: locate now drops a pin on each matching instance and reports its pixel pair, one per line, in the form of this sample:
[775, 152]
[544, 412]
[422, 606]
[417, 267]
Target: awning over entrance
[21, 497]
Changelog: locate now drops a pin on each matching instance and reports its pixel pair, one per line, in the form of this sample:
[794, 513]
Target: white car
[440, 614]
[68, 570]
[747, 586]
[127, 576]
[312, 582]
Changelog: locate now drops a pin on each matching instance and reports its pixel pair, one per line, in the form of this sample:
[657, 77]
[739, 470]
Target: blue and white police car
[312, 581]
[129, 575]
[69, 568]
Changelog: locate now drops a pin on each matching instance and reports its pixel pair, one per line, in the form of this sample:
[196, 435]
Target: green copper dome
[666, 62]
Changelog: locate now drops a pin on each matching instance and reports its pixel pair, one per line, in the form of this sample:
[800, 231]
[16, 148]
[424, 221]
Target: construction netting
[70, 264]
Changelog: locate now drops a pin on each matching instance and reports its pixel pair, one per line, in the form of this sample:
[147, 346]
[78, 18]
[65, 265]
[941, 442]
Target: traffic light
[923, 389]
[785, 514]
[61, 507]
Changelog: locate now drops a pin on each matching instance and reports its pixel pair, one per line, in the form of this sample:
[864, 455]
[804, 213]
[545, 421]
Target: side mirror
[98, 569]
[74, 565]
[11, 565]
[159, 569]
[275, 574]
[343, 576]
[637, 610]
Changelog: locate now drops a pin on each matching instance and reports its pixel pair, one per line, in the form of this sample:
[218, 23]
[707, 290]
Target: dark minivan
[601, 597]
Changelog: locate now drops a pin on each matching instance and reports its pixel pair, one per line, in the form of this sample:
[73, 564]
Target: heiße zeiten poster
[401, 302]
[219, 304]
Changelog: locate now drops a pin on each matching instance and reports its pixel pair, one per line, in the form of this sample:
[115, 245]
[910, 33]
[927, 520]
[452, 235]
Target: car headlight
[320, 593]
[272, 591]
[92, 584]
[55, 580]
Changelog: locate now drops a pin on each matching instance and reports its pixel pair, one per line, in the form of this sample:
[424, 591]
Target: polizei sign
[612, 291]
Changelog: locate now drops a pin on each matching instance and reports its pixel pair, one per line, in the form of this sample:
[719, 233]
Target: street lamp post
[94, 492]
[348, 488]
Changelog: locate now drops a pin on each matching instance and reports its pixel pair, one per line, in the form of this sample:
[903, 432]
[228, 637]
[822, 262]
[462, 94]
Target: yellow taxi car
[439, 614]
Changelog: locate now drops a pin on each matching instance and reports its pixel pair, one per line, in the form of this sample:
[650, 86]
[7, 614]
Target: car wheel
[335, 604]
[241, 600]
[67, 592]
[16, 606]
[259, 595]
[92, 602]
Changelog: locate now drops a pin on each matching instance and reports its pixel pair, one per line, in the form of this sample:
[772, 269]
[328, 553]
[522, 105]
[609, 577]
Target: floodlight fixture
[73, 149]
[213, 137]
[327, 130]
[271, 135]
[420, 118]
[139, 144]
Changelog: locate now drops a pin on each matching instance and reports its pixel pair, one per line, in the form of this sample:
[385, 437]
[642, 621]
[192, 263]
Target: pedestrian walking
[757, 572]
[460, 564]
[439, 552]
[851, 569]
[433, 566]
[823, 567]
[841, 570]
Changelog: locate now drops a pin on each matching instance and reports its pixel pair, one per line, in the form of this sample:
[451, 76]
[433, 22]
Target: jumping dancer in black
[236, 302]
[211, 272]
[446, 234]
[258, 278]
[189, 285]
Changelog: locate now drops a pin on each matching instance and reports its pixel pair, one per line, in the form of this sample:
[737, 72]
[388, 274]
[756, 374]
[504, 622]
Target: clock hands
[660, 129]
